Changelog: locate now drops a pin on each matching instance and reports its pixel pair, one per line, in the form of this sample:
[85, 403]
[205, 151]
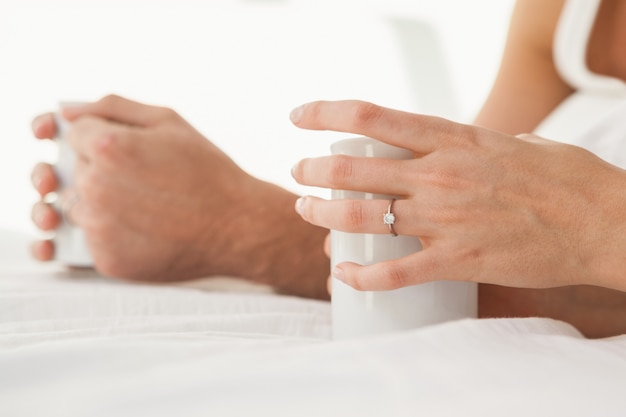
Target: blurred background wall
[235, 68]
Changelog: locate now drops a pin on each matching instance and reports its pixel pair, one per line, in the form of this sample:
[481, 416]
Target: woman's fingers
[424, 266]
[342, 172]
[382, 276]
[419, 133]
[362, 216]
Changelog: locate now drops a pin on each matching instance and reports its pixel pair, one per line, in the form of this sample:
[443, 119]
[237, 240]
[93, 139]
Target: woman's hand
[487, 207]
[160, 202]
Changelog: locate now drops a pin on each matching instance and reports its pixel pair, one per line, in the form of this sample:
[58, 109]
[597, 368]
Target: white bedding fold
[529, 367]
[72, 346]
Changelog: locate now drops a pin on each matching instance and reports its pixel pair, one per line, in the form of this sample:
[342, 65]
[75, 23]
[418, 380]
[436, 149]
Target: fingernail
[293, 169]
[296, 114]
[300, 205]
[338, 273]
[36, 125]
[37, 178]
[40, 217]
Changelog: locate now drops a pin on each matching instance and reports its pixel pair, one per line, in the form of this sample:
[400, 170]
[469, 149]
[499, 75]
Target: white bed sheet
[74, 344]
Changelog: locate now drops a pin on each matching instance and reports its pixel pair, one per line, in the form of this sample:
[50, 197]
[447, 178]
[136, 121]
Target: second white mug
[69, 241]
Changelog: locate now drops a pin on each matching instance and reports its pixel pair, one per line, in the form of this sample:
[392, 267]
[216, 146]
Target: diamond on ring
[389, 218]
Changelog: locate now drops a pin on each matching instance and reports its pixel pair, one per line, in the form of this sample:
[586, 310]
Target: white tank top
[593, 117]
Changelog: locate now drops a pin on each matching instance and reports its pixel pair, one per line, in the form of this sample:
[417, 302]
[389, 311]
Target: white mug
[70, 245]
[361, 313]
